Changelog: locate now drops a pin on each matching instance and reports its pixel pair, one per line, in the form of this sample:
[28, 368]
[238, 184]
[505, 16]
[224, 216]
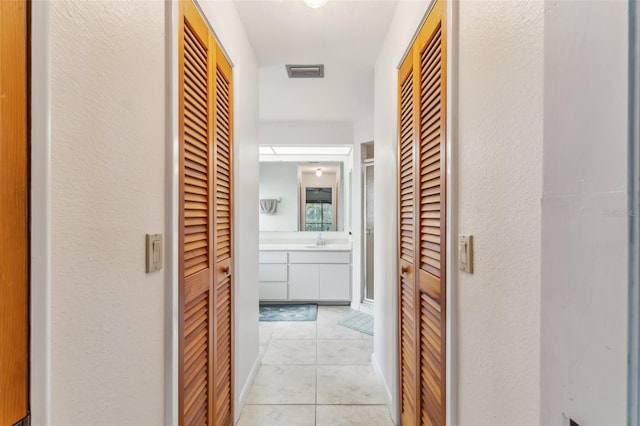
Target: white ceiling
[289, 31]
[344, 35]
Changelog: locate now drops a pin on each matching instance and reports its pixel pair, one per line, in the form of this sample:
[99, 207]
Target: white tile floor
[315, 373]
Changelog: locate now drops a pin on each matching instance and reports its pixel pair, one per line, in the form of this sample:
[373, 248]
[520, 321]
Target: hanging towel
[268, 206]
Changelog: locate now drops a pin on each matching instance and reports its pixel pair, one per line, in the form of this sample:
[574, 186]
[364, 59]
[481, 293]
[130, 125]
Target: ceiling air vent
[305, 71]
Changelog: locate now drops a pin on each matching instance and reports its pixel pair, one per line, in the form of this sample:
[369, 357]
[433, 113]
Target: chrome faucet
[319, 240]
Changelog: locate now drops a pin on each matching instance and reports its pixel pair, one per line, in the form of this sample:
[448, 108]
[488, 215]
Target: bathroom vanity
[305, 246]
[305, 272]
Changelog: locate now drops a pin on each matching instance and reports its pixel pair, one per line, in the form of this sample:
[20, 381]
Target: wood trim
[181, 279]
[227, 69]
[211, 70]
[14, 211]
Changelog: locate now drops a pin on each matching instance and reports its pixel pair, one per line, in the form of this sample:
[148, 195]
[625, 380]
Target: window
[318, 209]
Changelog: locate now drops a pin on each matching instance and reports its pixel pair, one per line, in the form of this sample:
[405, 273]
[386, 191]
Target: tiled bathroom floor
[315, 373]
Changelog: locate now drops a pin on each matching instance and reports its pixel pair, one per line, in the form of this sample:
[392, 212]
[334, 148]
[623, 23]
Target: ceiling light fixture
[318, 172]
[315, 4]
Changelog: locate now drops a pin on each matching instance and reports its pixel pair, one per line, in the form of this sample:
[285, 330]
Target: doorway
[14, 210]
[367, 221]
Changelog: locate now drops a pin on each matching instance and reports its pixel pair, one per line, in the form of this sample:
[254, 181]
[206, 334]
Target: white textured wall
[107, 191]
[280, 180]
[224, 18]
[585, 224]
[277, 133]
[363, 128]
[499, 191]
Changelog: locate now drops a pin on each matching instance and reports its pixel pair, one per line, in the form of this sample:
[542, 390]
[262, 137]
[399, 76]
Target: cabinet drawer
[272, 272]
[273, 257]
[273, 291]
[320, 257]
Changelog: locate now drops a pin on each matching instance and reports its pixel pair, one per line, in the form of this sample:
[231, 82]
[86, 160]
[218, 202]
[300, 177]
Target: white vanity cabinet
[323, 276]
[304, 282]
[273, 275]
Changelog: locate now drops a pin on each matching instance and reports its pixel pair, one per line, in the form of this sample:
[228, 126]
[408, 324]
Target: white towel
[268, 206]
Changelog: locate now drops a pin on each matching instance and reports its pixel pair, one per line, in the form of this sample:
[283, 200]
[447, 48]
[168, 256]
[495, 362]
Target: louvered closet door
[223, 315]
[432, 215]
[205, 227]
[428, 58]
[406, 214]
[197, 59]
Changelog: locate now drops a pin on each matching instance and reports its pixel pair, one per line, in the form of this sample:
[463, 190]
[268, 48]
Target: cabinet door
[335, 282]
[304, 282]
[273, 257]
[273, 291]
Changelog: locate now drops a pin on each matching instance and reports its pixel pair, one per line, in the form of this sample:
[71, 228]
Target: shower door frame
[365, 252]
[633, 382]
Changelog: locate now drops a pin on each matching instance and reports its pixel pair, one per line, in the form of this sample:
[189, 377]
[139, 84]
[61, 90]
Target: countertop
[305, 247]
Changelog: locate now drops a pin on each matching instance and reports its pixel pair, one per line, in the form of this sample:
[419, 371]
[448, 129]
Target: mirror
[299, 194]
[320, 191]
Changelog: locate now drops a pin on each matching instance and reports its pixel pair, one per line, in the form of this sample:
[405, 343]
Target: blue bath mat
[288, 312]
[358, 321]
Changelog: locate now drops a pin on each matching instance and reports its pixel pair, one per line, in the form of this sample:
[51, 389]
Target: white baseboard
[246, 388]
[385, 387]
[367, 308]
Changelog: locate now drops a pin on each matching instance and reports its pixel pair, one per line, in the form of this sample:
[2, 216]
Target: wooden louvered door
[14, 213]
[428, 264]
[223, 213]
[430, 66]
[205, 356]
[407, 284]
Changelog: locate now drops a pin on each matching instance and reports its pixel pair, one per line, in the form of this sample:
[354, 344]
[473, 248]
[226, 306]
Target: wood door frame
[18, 164]
[451, 196]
